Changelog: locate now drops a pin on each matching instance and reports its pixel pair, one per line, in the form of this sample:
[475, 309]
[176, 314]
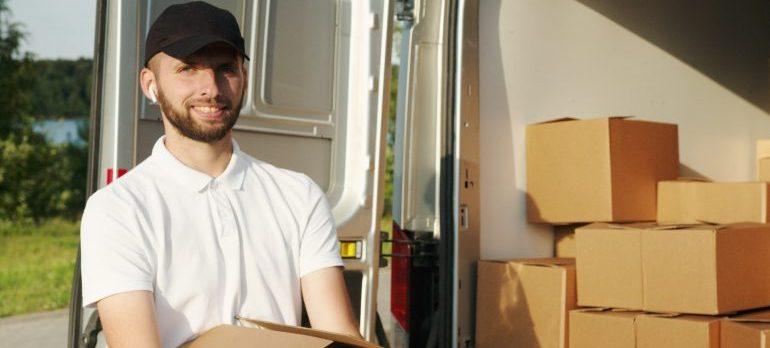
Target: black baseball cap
[182, 29]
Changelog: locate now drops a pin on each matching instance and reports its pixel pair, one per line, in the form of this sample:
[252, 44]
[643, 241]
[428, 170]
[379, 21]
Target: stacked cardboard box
[603, 169]
[525, 302]
[663, 260]
[696, 269]
[691, 202]
[746, 330]
[619, 328]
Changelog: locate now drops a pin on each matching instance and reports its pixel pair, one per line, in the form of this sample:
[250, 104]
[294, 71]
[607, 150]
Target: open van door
[436, 221]
[317, 103]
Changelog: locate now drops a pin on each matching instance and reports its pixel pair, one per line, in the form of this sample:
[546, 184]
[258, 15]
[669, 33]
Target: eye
[184, 68]
[227, 68]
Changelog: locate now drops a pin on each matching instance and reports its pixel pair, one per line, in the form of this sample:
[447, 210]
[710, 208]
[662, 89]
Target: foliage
[388, 192]
[62, 88]
[37, 179]
[15, 74]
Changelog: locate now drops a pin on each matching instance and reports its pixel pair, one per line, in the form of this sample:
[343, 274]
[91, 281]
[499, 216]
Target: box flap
[750, 320]
[690, 179]
[761, 316]
[650, 226]
[560, 119]
[606, 309]
[336, 337]
[700, 225]
[593, 309]
[556, 263]
[677, 331]
[665, 315]
[740, 225]
[244, 337]
[544, 262]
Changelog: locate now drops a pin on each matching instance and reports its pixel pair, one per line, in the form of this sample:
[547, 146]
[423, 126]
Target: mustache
[219, 101]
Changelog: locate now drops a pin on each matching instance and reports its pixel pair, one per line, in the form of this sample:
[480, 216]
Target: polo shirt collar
[231, 178]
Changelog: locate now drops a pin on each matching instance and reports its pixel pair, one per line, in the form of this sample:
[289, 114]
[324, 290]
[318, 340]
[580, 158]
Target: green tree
[37, 179]
[15, 74]
[62, 88]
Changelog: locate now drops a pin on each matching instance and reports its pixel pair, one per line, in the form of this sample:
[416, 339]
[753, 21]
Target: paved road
[42, 330]
[383, 302]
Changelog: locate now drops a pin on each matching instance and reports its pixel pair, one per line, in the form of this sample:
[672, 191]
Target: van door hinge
[405, 10]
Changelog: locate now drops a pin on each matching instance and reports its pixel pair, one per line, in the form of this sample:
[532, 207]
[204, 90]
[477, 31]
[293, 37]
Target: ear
[148, 82]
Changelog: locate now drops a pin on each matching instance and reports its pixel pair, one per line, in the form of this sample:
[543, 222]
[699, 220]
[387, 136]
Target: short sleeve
[319, 247]
[112, 256]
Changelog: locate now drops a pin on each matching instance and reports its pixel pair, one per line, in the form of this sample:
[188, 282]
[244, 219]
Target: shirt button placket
[226, 217]
[230, 242]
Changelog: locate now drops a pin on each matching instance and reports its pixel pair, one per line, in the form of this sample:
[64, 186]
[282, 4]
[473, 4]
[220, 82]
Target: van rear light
[110, 175]
[401, 269]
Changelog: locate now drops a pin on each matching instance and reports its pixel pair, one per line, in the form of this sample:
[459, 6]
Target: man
[200, 232]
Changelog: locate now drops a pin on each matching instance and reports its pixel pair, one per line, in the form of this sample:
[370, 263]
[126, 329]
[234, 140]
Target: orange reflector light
[350, 249]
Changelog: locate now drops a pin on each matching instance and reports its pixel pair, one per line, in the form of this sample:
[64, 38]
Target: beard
[207, 132]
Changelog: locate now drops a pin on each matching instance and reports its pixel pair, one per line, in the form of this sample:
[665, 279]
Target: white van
[473, 74]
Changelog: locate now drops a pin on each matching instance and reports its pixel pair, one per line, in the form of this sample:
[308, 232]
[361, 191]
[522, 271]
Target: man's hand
[128, 320]
[327, 302]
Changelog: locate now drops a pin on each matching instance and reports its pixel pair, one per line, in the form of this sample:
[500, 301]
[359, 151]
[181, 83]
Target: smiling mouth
[210, 111]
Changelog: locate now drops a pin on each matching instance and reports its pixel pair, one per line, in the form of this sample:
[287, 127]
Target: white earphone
[153, 94]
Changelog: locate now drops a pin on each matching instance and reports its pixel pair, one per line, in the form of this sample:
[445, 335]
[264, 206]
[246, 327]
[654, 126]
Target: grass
[36, 265]
[37, 262]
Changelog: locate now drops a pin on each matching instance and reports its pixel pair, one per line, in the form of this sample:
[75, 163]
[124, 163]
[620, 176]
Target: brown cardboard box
[689, 202]
[609, 266]
[696, 269]
[564, 240]
[613, 328]
[602, 169]
[677, 331]
[595, 327]
[747, 330]
[706, 269]
[524, 303]
[265, 334]
[763, 160]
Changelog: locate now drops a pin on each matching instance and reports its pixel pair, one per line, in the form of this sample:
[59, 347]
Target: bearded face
[200, 95]
[198, 127]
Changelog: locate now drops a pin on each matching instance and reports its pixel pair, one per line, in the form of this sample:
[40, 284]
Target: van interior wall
[702, 65]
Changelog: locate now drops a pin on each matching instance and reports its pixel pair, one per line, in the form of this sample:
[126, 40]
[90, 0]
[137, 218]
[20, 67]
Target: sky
[56, 28]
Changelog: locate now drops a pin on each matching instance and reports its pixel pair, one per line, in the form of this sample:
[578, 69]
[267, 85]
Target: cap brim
[185, 47]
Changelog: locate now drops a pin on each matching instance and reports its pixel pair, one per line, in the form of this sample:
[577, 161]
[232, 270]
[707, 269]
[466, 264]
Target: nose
[209, 86]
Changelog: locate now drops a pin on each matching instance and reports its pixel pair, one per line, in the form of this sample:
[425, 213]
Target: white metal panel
[418, 133]
[466, 170]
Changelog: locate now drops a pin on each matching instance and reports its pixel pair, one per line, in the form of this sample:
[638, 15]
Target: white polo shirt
[208, 248]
